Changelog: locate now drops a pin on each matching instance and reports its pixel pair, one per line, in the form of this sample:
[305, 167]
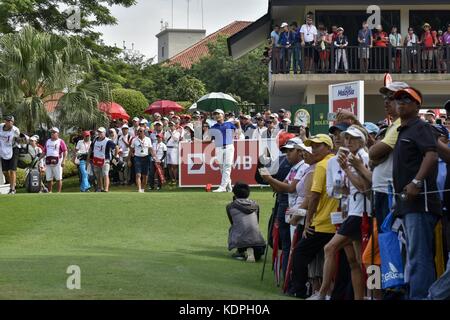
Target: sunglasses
[404, 100]
[389, 98]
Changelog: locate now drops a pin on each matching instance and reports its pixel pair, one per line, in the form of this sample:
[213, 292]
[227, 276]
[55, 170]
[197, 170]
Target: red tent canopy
[164, 107]
[113, 110]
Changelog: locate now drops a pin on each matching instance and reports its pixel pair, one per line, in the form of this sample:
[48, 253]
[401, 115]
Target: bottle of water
[338, 187]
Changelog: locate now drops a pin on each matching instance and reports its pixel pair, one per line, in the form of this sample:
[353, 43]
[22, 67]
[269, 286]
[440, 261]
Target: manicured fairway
[168, 245]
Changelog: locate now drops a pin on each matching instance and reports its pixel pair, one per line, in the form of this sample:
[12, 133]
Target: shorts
[309, 50]
[351, 228]
[364, 53]
[141, 165]
[102, 171]
[11, 164]
[172, 156]
[427, 54]
[53, 172]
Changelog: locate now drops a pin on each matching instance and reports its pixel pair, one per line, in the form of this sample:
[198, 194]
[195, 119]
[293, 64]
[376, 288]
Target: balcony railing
[355, 59]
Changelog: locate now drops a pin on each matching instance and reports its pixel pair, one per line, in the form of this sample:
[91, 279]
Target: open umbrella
[164, 107]
[113, 110]
[217, 100]
[193, 108]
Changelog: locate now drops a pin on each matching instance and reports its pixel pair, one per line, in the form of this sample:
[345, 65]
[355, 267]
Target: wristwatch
[418, 183]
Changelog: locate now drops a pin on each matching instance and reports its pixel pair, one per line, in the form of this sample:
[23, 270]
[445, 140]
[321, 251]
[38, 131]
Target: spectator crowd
[317, 49]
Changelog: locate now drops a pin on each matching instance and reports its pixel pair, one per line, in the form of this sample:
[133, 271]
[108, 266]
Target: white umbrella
[193, 107]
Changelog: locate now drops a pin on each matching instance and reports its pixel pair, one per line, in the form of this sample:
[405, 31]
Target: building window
[162, 52]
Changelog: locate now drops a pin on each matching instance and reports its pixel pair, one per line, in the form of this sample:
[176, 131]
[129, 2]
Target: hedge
[70, 170]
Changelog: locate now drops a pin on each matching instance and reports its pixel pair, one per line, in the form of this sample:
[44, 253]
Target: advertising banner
[347, 96]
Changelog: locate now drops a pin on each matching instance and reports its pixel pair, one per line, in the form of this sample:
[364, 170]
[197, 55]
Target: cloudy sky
[140, 23]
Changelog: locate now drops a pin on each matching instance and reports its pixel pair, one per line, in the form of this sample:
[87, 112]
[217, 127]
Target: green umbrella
[217, 100]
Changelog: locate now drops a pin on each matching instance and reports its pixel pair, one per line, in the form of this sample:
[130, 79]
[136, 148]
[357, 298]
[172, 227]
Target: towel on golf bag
[392, 274]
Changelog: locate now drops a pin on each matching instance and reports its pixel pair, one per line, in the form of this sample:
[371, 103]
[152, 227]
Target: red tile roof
[51, 102]
[194, 53]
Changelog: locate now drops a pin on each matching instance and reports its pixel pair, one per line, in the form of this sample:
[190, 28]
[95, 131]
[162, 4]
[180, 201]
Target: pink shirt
[446, 38]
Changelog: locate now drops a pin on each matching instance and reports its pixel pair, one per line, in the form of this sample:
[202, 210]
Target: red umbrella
[113, 110]
[164, 107]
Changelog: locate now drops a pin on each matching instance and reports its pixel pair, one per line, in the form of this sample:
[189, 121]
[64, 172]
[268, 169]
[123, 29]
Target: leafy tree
[134, 102]
[50, 16]
[189, 89]
[246, 77]
[35, 65]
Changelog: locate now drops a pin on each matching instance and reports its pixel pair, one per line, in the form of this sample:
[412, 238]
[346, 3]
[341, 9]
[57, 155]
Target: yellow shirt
[391, 135]
[327, 205]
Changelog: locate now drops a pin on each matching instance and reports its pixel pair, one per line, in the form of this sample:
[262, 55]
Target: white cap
[157, 122]
[219, 111]
[293, 143]
[33, 138]
[274, 115]
[125, 126]
[287, 120]
[303, 147]
[355, 132]
[284, 24]
[143, 121]
[101, 129]
[136, 119]
[190, 126]
[54, 129]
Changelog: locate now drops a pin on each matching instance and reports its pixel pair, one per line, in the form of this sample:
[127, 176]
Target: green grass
[158, 245]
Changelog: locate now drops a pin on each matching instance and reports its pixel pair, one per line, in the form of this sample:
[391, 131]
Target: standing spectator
[9, 151]
[261, 130]
[446, 48]
[293, 149]
[381, 53]
[276, 50]
[285, 42]
[411, 42]
[247, 126]
[296, 55]
[415, 163]
[426, 40]
[323, 46]
[334, 33]
[381, 153]
[81, 154]
[124, 151]
[172, 138]
[141, 149]
[395, 39]
[430, 117]
[222, 134]
[135, 127]
[101, 151]
[273, 128]
[439, 52]
[55, 153]
[161, 153]
[205, 132]
[365, 39]
[318, 230]
[244, 234]
[348, 236]
[308, 34]
[341, 44]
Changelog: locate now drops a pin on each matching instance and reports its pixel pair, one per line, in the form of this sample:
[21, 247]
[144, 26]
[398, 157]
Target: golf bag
[26, 156]
[33, 181]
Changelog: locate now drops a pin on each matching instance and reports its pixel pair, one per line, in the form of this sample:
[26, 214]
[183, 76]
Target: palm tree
[34, 66]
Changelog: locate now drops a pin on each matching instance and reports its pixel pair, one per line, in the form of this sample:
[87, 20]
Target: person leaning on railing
[341, 44]
[395, 40]
[411, 42]
[446, 43]
[381, 41]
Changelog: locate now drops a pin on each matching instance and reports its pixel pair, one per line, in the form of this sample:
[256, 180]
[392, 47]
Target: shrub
[134, 102]
[70, 170]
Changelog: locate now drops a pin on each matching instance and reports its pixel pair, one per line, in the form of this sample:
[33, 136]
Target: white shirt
[160, 148]
[295, 173]
[333, 170]
[83, 147]
[382, 175]
[123, 146]
[53, 147]
[356, 207]
[8, 141]
[141, 147]
[172, 138]
[100, 148]
[309, 31]
[258, 133]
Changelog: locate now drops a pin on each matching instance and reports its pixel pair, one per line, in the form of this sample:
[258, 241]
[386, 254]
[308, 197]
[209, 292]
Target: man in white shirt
[261, 129]
[172, 138]
[133, 130]
[9, 152]
[141, 148]
[308, 33]
[124, 150]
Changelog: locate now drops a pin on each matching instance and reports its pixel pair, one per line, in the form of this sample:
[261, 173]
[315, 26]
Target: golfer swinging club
[222, 133]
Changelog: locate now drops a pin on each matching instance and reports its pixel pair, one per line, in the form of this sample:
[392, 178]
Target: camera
[294, 129]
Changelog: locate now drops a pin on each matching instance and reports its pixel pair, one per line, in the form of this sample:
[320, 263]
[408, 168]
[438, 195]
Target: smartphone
[344, 150]
[294, 129]
[438, 121]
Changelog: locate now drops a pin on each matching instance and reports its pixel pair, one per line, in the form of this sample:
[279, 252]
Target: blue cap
[441, 129]
[339, 126]
[371, 127]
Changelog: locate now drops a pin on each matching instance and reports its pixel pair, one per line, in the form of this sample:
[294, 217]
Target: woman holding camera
[80, 159]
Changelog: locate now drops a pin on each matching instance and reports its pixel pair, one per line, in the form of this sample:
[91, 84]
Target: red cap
[86, 133]
[283, 138]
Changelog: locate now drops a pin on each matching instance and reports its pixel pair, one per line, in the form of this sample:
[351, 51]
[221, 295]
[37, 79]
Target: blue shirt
[222, 134]
[365, 35]
[276, 38]
[286, 38]
[441, 177]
